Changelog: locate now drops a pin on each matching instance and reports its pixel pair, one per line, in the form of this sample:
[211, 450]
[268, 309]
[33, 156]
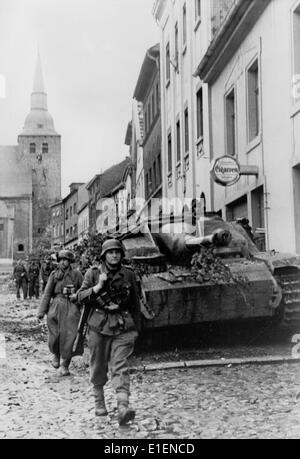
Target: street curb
[217, 363]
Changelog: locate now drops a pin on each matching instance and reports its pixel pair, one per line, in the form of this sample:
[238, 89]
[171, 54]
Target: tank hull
[250, 295]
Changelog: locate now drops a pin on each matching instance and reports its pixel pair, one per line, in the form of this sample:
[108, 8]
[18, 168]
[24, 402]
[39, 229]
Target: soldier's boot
[100, 408]
[64, 368]
[125, 414]
[56, 361]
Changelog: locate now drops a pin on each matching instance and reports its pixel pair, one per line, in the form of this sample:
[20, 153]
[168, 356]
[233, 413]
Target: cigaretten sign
[226, 171]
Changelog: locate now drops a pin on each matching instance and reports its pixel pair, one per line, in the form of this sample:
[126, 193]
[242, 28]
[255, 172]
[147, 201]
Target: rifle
[78, 346]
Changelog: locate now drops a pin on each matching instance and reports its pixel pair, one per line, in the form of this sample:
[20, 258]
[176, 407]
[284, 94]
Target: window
[154, 176]
[168, 63]
[32, 148]
[62, 229]
[186, 130]
[184, 26]
[67, 214]
[71, 231]
[296, 39]
[40, 126]
[71, 211]
[75, 208]
[45, 148]
[176, 45]
[197, 10]
[170, 153]
[178, 141]
[253, 102]
[75, 230]
[150, 181]
[20, 248]
[1, 226]
[149, 115]
[146, 122]
[153, 106]
[147, 186]
[159, 169]
[230, 123]
[200, 114]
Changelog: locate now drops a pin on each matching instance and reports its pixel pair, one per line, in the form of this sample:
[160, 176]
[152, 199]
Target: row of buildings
[221, 92]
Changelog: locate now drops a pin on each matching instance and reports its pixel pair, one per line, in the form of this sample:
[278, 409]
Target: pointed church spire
[38, 96]
[39, 121]
[38, 85]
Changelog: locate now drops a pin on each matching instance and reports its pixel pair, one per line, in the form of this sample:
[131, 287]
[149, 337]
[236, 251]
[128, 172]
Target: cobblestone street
[250, 401]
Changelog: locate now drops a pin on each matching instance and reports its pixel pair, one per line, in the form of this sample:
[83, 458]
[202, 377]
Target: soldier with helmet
[111, 291]
[33, 278]
[63, 313]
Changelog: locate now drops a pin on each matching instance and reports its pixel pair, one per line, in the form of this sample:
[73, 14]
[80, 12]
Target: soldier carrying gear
[21, 279]
[111, 291]
[46, 269]
[33, 278]
[62, 313]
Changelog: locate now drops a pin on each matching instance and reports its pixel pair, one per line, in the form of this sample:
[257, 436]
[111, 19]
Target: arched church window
[20, 248]
[32, 148]
[45, 148]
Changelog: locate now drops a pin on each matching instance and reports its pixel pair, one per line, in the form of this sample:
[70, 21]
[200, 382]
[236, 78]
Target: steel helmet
[67, 254]
[112, 244]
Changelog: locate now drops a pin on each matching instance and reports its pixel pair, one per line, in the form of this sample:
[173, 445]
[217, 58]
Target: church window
[32, 148]
[45, 148]
[1, 226]
[20, 248]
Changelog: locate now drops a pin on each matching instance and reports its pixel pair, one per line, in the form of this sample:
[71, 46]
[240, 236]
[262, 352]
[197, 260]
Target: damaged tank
[189, 278]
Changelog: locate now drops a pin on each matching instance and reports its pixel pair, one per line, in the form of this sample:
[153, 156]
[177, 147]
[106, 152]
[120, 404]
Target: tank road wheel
[289, 280]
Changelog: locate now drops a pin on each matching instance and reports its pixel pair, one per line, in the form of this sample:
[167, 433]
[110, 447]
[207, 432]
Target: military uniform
[21, 279]
[63, 315]
[33, 278]
[46, 270]
[114, 323]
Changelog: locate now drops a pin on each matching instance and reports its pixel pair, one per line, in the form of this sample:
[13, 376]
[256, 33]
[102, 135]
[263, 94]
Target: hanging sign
[226, 171]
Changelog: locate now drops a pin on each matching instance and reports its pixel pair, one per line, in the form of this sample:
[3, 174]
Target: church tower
[40, 151]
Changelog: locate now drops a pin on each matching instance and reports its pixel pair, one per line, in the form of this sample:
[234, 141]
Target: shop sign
[226, 171]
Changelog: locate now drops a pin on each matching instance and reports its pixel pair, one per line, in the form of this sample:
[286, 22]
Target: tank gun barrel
[220, 238]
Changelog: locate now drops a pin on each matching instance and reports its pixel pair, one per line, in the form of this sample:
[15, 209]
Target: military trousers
[111, 353]
[21, 284]
[34, 288]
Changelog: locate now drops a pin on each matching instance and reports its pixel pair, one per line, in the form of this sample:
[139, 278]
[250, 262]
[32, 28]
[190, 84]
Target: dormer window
[32, 148]
[40, 126]
[45, 148]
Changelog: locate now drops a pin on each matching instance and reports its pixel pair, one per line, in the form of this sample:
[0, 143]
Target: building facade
[147, 92]
[58, 226]
[71, 205]
[252, 69]
[184, 37]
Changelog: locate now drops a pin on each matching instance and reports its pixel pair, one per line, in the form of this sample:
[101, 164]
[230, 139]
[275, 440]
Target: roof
[149, 67]
[58, 203]
[88, 186]
[15, 177]
[238, 22]
[112, 179]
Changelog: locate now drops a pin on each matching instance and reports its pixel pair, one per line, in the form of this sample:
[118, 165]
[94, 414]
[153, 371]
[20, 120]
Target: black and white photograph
[149, 222]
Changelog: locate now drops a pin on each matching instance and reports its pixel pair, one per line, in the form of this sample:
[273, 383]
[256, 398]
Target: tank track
[290, 285]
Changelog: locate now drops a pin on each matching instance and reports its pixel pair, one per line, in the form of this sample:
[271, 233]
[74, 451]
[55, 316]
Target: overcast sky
[91, 53]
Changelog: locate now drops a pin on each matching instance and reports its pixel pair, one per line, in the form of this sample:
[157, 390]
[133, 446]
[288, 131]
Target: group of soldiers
[109, 292]
[31, 276]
